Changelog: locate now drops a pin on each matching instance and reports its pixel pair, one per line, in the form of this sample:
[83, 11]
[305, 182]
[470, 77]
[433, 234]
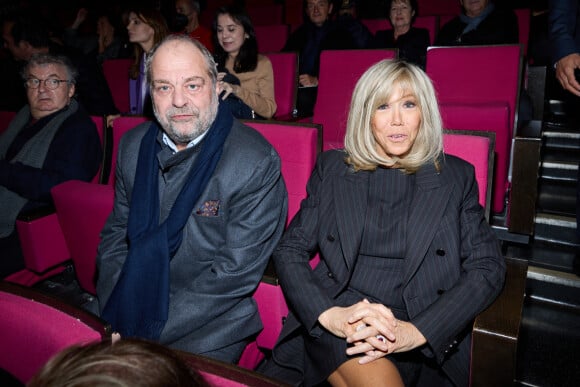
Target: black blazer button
[440, 252]
[330, 274]
[440, 291]
[330, 237]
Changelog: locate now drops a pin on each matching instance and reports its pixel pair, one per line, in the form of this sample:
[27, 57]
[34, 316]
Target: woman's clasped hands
[372, 329]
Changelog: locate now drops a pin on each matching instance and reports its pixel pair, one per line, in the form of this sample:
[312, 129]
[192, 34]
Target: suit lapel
[350, 197]
[427, 208]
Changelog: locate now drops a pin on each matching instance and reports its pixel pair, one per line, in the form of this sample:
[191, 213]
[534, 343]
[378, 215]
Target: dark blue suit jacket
[563, 28]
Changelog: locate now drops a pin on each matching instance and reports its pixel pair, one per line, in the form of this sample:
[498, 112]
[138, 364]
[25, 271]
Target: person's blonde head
[374, 89]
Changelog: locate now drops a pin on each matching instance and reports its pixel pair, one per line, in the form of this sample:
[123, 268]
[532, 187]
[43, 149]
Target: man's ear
[71, 90]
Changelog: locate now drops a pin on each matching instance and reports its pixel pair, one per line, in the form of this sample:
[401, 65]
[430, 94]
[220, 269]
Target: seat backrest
[485, 81]
[100, 124]
[430, 23]
[438, 7]
[5, 118]
[271, 37]
[476, 147]
[285, 67]
[34, 327]
[266, 14]
[116, 73]
[82, 209]
[335, 86]
[297, 145]
[524, 19]
[120, 126]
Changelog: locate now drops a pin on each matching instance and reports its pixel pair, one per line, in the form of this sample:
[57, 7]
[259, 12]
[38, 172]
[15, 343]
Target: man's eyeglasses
[49, 83]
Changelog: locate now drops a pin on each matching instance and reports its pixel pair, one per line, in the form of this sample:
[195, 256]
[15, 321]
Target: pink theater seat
[82, 209]
[439, 7]
[120, 126]
[468, 79]
[5, 118]
[43, 245]
[430, 23]
[476, 147]
[266, 14]
[335, 86]
[285, 66]
[524, 16]
[116, 72]
[297, 145]
[271, 37]
[34, 327]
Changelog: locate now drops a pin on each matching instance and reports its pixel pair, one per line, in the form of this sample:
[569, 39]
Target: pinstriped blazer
[453, 270]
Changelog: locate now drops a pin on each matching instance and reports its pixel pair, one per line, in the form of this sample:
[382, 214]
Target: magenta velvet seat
[34, 327]
[335, 86]
[82, 209]
[474, 85]
[116, 72]
[285, 67]
[271, 37]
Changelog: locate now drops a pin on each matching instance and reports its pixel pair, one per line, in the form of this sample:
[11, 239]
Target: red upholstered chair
[438, 7]
[271, 37]
[285, 66]
[82, 209]
[43, 245]
[297, 145]
[34, 327]
[335, 86]
[217, 373]
[293, 12]
[119, 127]
[116, 73]
[524, 19]
[266, 14]
[476, 147]
[475, 86]
[5, 118]
[375, 25]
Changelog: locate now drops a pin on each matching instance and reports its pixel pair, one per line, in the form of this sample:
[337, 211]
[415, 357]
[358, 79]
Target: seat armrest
[496, 330]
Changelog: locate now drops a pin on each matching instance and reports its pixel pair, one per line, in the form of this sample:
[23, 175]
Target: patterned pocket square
[209, 208]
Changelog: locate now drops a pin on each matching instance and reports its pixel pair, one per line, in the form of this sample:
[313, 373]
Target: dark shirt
[500, 27]
[309, 40]
[412, 45]
[75, 153]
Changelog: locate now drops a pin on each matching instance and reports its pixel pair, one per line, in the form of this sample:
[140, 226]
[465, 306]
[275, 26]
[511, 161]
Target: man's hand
[307, 80]
[565, 73]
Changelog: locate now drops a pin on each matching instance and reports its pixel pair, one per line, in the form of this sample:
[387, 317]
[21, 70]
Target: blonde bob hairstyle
[374, 89]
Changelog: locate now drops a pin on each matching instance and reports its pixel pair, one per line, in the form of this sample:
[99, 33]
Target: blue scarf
[473, 22]
[139, 303]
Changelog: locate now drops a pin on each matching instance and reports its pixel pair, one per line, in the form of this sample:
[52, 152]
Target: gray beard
[200, 125]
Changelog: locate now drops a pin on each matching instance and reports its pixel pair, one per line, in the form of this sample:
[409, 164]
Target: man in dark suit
[200, 204]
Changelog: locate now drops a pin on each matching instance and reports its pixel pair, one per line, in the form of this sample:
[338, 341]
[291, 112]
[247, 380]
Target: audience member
[246, 77]
[481, 22]
[347, 19]
[411, 42]
[199, 206]
[147, 27]
[190, 10]
[27, 35]
[407, 259]
[52, 139]
[564, 23]
[106, 44]
[125, 363]
[317, 33]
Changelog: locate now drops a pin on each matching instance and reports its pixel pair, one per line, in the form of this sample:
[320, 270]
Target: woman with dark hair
[245, 77]
[146, 28]
[411, 42]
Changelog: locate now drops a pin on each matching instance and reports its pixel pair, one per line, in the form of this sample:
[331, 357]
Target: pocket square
[209, 208]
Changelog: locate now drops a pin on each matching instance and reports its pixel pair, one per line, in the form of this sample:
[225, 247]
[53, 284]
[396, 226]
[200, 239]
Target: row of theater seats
[81, 209]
